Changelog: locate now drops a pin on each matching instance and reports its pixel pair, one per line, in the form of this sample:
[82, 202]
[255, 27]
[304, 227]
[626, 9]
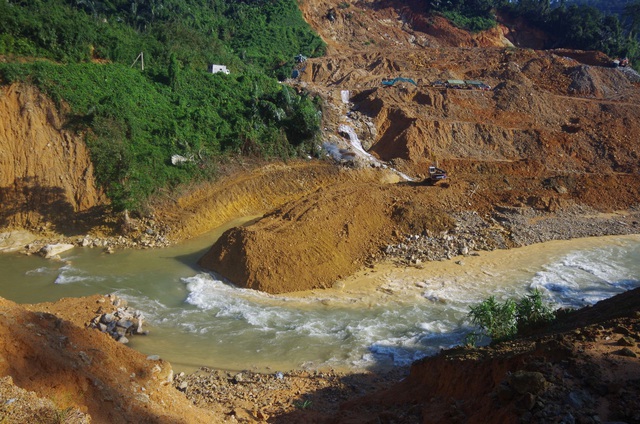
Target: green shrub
[497, 320]
[531, 311]
[504, 320]
[470, 23]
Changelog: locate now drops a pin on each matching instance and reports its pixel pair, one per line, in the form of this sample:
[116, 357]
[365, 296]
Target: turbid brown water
[378, 317]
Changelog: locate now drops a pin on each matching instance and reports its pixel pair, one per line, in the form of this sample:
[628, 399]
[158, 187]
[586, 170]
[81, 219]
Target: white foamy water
[583, 278]
[321, 332]
[68, 275]
[383, 317]
[361, 152]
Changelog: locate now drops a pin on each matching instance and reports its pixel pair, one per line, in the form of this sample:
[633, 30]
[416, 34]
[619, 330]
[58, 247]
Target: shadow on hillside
[351, 391]
[54, 370]
[29, 204]
[325, 405]
[424, 183]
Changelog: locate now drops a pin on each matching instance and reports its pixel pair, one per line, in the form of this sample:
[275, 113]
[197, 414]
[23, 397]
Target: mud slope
[556, 132]
[83, 369]
[311, 243]
[46, 175]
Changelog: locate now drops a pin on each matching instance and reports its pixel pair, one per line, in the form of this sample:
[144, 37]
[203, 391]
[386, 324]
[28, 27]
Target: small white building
[214, 69]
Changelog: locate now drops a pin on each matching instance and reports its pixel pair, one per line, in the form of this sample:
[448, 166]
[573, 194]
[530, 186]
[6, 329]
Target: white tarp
[345, 96]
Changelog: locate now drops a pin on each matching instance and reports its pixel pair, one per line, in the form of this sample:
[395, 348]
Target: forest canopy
[90, 55]
[609, 26]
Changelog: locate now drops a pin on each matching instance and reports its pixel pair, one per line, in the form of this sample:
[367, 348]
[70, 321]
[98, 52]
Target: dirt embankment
[553, 136]
[46, 175]
[46, 349]
[310, 243]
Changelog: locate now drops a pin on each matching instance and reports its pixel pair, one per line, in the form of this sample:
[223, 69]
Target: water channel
[378, 317]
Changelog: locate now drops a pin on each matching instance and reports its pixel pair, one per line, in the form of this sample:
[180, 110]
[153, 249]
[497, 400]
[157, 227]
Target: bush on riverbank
[504, 320]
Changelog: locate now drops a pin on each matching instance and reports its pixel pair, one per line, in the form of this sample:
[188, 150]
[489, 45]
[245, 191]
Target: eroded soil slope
[46, 349]
[46, 175]
[556, 133]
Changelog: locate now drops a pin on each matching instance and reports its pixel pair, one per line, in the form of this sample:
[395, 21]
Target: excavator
[435, 175]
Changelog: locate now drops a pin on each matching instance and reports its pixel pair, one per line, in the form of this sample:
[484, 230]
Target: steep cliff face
[46, 176]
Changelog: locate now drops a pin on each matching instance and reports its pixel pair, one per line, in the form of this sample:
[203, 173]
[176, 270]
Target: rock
[561, 189]
[13, 241]
[626, 341]
[621, 330]
[577, 399]
[626, 352]
[52, 250]
[527, 401]
[338, 285]
[504, 393]
[125, 323]
[528, 382]
[123, 340]
[183, 386]
[107, 318]
[142, 397]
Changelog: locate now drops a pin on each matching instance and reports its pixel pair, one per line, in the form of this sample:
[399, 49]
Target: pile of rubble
[509, 227]
[121, 323]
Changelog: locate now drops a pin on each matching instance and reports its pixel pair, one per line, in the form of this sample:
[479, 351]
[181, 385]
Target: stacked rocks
[121, 323]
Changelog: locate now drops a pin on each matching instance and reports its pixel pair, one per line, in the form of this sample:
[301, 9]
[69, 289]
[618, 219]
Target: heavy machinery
[435, 175]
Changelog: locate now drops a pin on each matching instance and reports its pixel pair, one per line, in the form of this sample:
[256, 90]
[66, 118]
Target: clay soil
[557, 133]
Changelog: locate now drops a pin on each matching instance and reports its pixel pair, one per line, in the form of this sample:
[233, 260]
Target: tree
[537, 9]
[632, 13]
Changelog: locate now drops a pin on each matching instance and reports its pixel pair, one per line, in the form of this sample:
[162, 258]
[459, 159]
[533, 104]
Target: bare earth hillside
[554, 136]
[46, 175]
[551, 151]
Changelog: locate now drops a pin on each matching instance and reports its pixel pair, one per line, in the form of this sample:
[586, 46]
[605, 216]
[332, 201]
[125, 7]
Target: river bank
[309, 395]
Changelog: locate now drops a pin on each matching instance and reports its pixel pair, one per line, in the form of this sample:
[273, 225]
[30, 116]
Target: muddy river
[378, 317]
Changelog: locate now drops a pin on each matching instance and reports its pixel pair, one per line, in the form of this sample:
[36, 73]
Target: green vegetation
[470, 23]
[504, 320]
[609, 7]
[472, 15]
[582, 26]
[573, 24]
[80, 52]
[304, 404]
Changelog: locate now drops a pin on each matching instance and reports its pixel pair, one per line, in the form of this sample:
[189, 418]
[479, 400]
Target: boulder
[52, 250]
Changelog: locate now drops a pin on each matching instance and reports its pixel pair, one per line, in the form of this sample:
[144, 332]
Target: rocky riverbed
[510, 227]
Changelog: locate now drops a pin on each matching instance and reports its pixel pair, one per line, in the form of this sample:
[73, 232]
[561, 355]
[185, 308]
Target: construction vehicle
[620, 62]
[435, 175]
